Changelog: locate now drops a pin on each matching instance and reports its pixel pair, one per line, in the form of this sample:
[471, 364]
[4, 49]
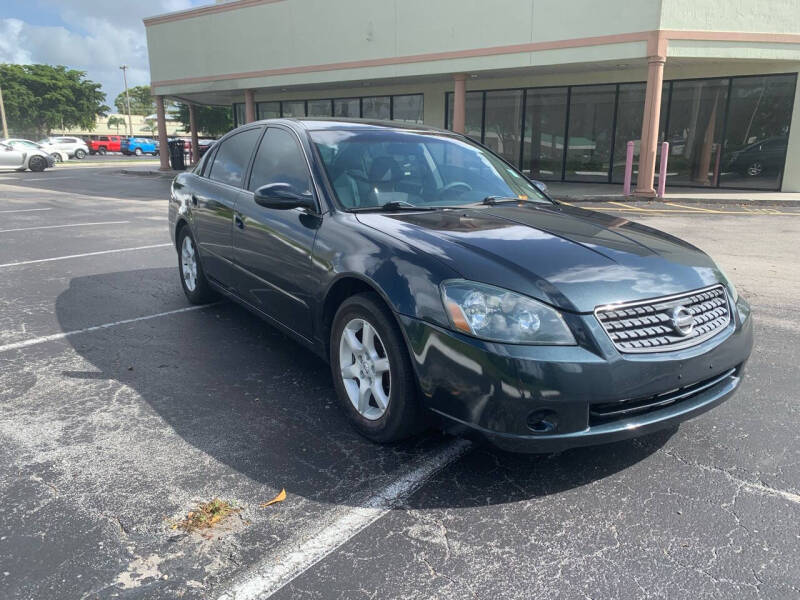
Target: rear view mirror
[283, 196]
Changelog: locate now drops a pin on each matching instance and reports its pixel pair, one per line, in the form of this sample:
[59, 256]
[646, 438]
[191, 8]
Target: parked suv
[66, 146]
[103, 144]
[139, 146]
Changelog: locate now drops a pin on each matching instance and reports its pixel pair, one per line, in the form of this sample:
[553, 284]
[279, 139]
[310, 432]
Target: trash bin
[176, 155]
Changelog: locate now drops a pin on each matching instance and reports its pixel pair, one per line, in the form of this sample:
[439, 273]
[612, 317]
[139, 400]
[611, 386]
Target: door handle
[238, 220]
[194, 200]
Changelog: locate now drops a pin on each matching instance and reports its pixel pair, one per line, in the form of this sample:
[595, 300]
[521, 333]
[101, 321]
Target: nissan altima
[444, 287]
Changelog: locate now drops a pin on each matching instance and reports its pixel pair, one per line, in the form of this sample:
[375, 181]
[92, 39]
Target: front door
[273, 247]
[214, 200]
[10, 157]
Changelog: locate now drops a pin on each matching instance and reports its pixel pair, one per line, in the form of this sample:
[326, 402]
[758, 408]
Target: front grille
[648, 326]
[613, 411]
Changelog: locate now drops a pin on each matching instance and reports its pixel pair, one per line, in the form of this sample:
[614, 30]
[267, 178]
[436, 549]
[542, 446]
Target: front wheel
[372, 371]
[80, 154]
[193, 278]
[37, 163]
[57, 157]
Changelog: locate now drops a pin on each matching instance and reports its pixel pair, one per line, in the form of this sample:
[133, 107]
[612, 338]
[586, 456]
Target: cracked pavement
[108, 436]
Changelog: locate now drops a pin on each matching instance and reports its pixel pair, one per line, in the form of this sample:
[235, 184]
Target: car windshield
[373, 168]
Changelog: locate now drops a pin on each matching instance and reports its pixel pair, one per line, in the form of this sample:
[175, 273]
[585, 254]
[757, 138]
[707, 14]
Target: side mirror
[283, 196]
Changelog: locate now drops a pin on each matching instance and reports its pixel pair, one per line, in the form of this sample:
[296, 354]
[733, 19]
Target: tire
[138, 152]
[102, 151]
[193, 280]
[380, 395]
[755, 169]
[57, 157]
[37, 164]
[80, 154]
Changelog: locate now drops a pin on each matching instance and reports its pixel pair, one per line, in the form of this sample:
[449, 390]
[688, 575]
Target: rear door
[214, 198]
[273, 247]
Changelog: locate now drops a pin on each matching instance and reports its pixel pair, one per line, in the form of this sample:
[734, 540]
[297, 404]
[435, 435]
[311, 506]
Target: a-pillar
[459, 102]
[648, 148]
[193, 133]
[163, 146]
[249, 106]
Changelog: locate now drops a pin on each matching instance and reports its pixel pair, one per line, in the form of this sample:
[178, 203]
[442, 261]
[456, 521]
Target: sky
[96, 36]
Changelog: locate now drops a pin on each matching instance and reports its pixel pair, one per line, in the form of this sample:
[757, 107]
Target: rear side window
[280, 160]
[231, 159]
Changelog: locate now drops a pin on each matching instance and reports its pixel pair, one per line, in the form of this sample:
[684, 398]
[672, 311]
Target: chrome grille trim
[644, 326]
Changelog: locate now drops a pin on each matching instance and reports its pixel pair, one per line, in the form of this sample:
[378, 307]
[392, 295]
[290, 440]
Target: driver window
[279, 159]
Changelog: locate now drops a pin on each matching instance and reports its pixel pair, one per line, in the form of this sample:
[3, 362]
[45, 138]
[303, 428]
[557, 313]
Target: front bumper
[547, 398]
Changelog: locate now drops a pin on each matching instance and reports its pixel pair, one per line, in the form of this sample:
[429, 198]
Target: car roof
[333, 123]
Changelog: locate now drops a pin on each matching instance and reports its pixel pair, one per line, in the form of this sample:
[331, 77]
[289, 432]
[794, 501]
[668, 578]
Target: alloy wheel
[755, 169]
[365, 369]
[189, 264]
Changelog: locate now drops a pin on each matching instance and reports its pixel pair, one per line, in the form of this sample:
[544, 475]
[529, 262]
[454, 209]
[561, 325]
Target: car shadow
[252, 399]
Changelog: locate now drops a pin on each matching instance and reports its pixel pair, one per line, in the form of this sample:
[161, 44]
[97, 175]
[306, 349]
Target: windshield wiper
[492, 200]
[392, 206]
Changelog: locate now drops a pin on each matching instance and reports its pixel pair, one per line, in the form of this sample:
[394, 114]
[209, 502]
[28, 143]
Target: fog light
[543, 421]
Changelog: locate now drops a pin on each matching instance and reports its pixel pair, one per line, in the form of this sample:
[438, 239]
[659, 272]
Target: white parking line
[43, 260]
[24, 210]
[66, 334]
[62, 226]
[320, 541]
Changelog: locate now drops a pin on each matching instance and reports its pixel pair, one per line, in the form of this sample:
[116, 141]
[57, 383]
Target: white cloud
[96, 37]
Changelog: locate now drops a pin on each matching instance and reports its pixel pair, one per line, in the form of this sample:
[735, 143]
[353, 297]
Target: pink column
[249, 106]
[626, 186]
[193, 133]
[459, 103]
[657, 56]
[163, 147]
[662, 171]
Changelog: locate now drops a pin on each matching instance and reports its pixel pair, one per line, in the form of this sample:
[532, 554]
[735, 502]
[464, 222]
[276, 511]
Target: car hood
[568, 257]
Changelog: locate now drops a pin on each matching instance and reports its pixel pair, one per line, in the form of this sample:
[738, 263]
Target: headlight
[498, 315]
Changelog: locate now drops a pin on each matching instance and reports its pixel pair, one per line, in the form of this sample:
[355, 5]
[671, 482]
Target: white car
[27, 145]
[66, 146]
[21, 157]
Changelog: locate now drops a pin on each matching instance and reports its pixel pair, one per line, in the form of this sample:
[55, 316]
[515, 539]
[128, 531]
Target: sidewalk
[602, 192]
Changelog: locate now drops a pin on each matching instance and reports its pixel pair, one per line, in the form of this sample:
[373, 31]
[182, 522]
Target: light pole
[3, 115]
[127, 98]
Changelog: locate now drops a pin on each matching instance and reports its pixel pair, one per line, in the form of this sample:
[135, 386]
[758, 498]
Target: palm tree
[115, 122]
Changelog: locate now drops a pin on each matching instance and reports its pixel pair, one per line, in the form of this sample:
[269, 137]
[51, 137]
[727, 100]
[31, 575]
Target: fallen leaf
[279, 498]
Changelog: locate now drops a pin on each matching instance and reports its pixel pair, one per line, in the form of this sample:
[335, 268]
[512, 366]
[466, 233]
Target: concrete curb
[685, 200]
[150, 173]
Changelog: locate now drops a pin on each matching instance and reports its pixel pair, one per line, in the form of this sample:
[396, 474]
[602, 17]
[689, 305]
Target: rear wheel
[755, 168]
[80, 154]
[37, 163]
[138, 152]
[102, 151]
[372, 371]
[193, 279]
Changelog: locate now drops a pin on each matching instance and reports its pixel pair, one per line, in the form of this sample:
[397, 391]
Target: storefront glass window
[754, 150]
[294, 108]
[319, 108]
[545, 117]
[238, 115]
[474, 114]
[347, 107]
[268, 110]
[589, 132]
[696, 117]
[376, 107]
[503, 123]
[407, 108]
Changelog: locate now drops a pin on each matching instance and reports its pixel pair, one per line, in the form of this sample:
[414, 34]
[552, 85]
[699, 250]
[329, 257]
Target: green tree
[43, 97]
[141, 101]
[116, 122]
[211, 120]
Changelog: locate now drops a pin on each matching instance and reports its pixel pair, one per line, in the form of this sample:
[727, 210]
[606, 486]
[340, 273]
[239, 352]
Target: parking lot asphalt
[122, 407]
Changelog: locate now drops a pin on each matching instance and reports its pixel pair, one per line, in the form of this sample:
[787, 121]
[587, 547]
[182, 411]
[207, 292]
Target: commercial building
[557, 87]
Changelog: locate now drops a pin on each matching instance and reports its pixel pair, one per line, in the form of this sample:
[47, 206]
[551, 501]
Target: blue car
[139, 146]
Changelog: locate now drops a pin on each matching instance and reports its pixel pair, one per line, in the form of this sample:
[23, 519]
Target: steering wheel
[454, 185]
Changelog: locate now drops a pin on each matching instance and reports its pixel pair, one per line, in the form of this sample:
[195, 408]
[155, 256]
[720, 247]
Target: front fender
[407, 278]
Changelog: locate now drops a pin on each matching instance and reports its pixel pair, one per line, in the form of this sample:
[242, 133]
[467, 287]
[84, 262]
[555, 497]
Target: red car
[103, 144]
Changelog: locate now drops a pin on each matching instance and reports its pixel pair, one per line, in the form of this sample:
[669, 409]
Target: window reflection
[591, 115]
[545, 118]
